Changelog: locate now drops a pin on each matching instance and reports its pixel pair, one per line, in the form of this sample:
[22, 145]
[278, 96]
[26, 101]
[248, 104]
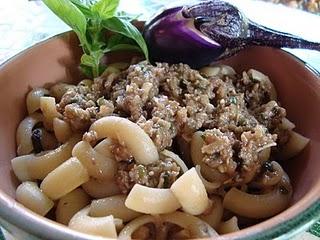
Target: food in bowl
[143, 150]
[140, 150]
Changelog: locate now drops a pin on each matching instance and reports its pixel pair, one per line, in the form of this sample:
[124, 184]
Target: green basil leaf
[83, 6]
[116, 39]
[70, 14]
[125, 28]
[97, 55]
[87, 60]
[86, 70]
[93, 61]
[120, 46]
[105, 8]
[127, 16]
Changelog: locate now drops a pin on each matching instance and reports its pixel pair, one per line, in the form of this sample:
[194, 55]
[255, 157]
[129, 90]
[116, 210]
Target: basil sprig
[90, 19]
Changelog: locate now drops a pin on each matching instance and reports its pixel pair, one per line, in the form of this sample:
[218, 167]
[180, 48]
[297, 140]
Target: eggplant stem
[263, 36]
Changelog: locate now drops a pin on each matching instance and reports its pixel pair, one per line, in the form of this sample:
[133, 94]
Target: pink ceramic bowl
[57, 59]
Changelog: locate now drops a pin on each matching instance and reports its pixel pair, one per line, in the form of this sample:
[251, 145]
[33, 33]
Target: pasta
[62, 130]
[219, 70]
[258, 76]
[134, 225]
[264, 154]
[104, 148]
[210, 186]
[24, 132]
[156, 152]
[101, 189]
[229, 226]
[114, 206]
[295, 145]
[271, 178]
[199, 201]
[258, 206]
[30, 195]
[197, 156]
[176, 158]
[70, 204]
[287, 124]
[98, 165]
[32, 167]
[128, 134]
[158, 200]
[48, 108]
[100, 226]
[48, 140]
[115, 67]
[65, 178]
[213, 216]
[59, 89]
[196, 227]
[33, 99]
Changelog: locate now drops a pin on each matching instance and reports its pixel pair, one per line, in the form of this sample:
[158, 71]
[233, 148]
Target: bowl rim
[15, 214]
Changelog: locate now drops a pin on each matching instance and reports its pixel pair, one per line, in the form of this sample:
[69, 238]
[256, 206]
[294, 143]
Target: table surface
[24, 23]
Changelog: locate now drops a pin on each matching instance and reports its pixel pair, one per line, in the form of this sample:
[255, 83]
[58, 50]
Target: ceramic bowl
[57, 59]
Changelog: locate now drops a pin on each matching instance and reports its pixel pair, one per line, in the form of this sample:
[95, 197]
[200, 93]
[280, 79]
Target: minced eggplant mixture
[238, 114]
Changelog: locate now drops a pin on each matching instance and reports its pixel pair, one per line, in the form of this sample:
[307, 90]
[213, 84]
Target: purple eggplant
[210, 31]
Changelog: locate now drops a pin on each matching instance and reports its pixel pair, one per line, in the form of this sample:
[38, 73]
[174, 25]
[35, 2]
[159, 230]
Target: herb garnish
[90, 19]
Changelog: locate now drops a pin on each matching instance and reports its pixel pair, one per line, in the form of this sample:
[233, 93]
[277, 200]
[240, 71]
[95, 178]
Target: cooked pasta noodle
[196, 155]
[101, 189]
[128, 134]
[183, 145]
[30, 195]
[62, 130]
[114, 206]
[32, 167]
[104, 148]
[70, 204]
[176, 158]
[294, 146]
[49, 110]
[59, 89]
[142, 232]
[218, 71]
[24, 132]
[100, 226]
[199, 201]
[118, 65]
[229, 226]
[258, 206]
[48, 140]
[40, 166]
[98, 165]
[210, 187]
[158, 200]
[118, 223]
[264, 155]
[197, 227]
[65, 178]
[273, 177]
[111, 71]
[287, 124]
[135, 224]
[260, 77]
[20, 167]
[214, 214]
[33, 99]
